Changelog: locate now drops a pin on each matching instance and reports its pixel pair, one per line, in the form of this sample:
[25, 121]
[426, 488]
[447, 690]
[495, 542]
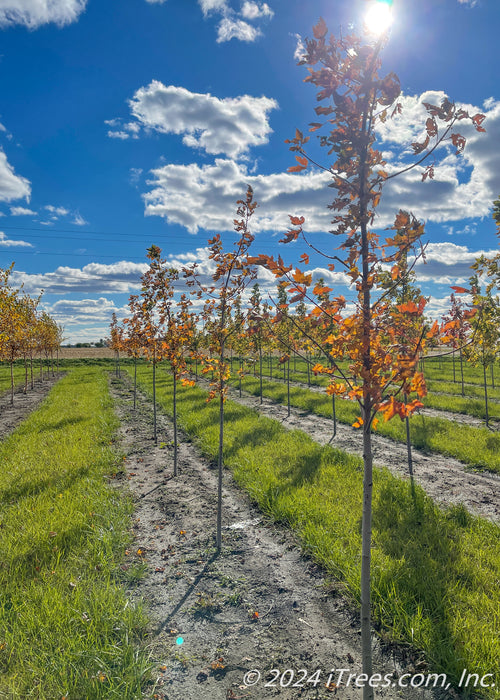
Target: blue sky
[131, 122]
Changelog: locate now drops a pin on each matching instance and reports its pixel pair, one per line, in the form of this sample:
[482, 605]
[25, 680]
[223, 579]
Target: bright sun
[378, 17]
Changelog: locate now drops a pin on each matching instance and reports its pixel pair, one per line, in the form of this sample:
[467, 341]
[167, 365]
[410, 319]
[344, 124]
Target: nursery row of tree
[370, 347]
[26, 332]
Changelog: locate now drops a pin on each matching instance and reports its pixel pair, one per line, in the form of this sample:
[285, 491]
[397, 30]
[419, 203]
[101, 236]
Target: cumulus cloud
[95, 278]
[12, 186]
[34, 13]
[464, 186]
[56, 211]
[254, 10]
[230, 125]
[448, 263]
[197, 196]
[8, 243]
[236, 29]
[68, 311]
[234, 25]
[21, 211]
[208, 6]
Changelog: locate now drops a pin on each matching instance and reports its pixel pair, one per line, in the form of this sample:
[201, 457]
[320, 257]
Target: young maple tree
[456, 331]
[485, 333]
[231, 276]
[176, 324]
[382, 371]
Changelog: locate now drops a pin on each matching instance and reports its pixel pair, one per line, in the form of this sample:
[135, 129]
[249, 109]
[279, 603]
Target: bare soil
[446, 480]
[258, 605]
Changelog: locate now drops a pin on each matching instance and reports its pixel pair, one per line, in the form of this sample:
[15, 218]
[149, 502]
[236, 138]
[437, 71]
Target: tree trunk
[12, 382]
[462, 371]
[175, 423]
[486, 395]
[408, 446]
[260, 374]
[288, 387]
[366, 639]
[135, 382]
[453, 357]
[155, 436]
[221, 447]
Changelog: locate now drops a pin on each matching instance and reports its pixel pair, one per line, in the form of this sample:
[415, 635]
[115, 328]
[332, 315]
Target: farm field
[219, 605]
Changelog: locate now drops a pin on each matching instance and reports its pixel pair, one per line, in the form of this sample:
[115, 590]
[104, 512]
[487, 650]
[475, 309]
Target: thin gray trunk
[486, 395]
[219, 464]
[288, 387]
[175, 423]
[135, 382]
[155, 436]
[260, 373]
[462, 371]
[366, 533]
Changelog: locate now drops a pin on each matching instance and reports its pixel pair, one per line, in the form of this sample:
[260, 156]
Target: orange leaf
[320, 30]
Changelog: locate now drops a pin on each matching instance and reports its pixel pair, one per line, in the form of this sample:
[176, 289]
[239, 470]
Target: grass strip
[436, 572]
[452, 403]
[478, 448]
[67, 628]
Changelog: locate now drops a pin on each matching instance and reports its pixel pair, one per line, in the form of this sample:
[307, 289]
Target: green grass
[436, 573]
[5, 376]
[479, 448]
[66, 625]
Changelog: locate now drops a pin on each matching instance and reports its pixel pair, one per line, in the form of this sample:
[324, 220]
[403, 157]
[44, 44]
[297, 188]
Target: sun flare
[378, 17]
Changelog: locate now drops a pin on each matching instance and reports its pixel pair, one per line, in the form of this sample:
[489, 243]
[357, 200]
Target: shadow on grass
[422, 571]
[63, 423]
[48, 548]
[28, 489]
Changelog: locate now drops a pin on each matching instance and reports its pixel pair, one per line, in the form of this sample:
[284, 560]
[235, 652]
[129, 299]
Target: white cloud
[232, 26]
[254, 10]
[78, 220]
[205, 197]
[208, 6]
[135, 175]
[236, 29]
[118, 135]
[464, 186]
[34, 13]
[68, 311]
[21, 211]
[8, 243]
[448, 263]
[12, 186]
[95, 278]
[229, 125]
[300, 48]
[56, 211]
[158, 2]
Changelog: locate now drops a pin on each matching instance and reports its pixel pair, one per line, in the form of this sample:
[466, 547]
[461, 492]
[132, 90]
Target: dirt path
[445, 479]
[12, 415]
[259, 605]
